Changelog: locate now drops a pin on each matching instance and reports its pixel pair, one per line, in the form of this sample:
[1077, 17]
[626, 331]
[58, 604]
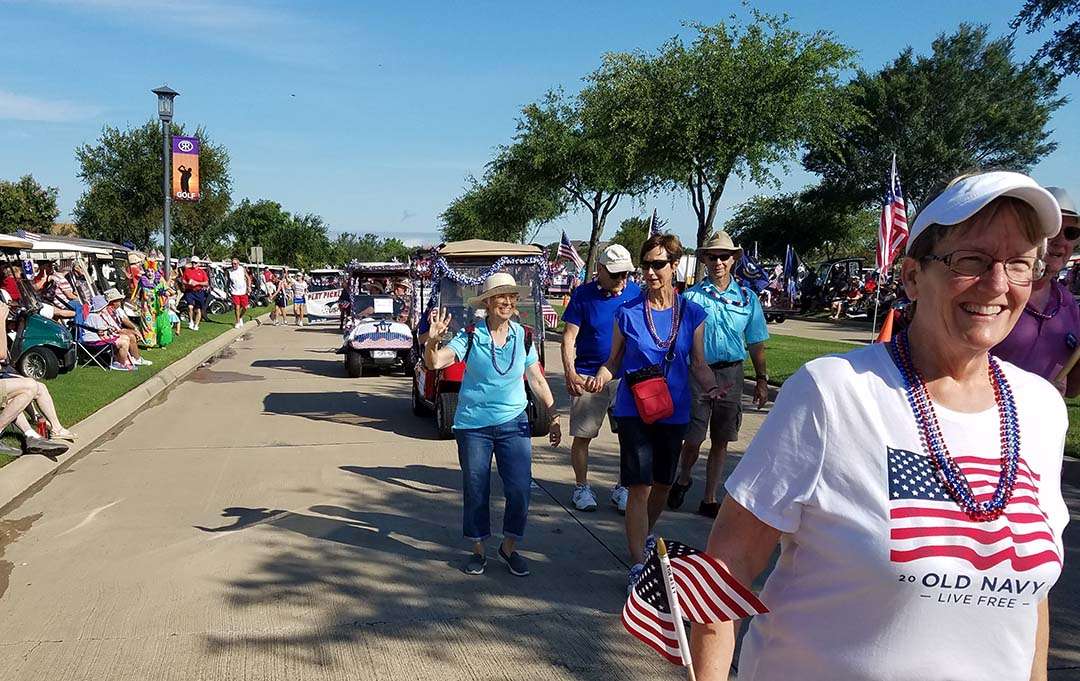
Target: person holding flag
[915, 485]
[734, 326]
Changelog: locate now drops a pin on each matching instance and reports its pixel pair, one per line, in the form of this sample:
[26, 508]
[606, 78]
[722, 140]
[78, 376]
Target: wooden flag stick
[673, 605]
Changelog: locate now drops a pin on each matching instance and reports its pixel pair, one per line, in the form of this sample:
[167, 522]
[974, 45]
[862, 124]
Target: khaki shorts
[587, 413]
[724, 416]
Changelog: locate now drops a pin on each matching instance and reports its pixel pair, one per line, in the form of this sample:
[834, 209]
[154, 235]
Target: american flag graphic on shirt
[925, 522]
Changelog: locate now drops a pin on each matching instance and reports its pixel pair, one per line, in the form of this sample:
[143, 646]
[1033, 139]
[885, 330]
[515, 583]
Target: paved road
[272, 519]
[823, 329]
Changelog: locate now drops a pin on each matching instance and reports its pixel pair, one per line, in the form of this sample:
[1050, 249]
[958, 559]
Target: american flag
[551, 317]
[893, 231]
[567, 251]
[707, 593]
[925, 522]
[656, 225]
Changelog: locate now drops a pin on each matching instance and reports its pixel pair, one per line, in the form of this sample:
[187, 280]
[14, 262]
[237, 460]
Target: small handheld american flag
[706, 592]
[568, 252]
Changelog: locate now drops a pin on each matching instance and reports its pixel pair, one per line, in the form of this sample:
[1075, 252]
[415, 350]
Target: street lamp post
[165, 96]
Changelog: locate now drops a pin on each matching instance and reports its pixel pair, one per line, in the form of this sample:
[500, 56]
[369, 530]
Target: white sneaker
[619, 495]
[238, 325]
[583, 498]
[191, 325]
[196, 328]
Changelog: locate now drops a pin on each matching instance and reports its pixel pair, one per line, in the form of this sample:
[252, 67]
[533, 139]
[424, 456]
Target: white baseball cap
[967, 196]
[616, 258]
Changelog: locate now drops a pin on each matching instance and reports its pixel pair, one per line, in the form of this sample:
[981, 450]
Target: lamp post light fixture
[165, 96]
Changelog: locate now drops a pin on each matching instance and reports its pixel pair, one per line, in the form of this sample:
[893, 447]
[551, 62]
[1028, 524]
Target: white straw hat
[967, 196]
[497, 284]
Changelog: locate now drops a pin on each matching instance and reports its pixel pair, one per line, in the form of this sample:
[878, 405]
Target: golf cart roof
[375, 267]
[324, 270]
[9, 241]
[54, 243]
[483, 248]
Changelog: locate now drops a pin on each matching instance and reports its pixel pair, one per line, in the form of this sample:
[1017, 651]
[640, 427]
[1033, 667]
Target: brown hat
[721, 241]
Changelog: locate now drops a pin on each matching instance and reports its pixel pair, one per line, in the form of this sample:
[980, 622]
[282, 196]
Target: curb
[27, 474]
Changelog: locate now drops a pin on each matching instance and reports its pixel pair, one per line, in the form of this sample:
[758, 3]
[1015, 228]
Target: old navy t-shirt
[881, 576]
[640, 351]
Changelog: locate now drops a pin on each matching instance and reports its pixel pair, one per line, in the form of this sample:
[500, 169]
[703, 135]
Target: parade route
[270, 519]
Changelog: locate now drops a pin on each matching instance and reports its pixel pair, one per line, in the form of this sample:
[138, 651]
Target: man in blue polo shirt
[734, 321]
[586, 343]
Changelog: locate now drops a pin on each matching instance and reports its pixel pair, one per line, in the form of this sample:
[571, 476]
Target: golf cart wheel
[354, 363]
[445, 408]
[419, 408]
[216, 307]
[39, 364]
[541, 425]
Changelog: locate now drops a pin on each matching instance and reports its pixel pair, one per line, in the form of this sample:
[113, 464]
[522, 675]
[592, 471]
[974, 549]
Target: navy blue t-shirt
[642, 351]
[592, 310]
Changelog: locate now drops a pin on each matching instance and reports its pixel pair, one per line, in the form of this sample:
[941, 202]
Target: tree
[574, 146]
[504, 206]
[301, 241]
[253, 224]
[123, 199]
[966, 106]
[739, 100]
[367, 248]
[27, 205]
[632, 234]
[813, 228]
[1063, 49]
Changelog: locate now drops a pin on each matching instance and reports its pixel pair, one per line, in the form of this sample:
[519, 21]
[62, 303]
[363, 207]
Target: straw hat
[112, 295]
[721, 241]
[497, 284]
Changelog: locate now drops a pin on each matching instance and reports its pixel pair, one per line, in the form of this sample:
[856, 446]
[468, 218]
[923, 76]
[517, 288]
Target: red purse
[652, 397]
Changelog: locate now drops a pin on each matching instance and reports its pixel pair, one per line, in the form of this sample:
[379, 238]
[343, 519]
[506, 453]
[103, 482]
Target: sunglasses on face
[654, 265]
[717, 257]
[1071, 232]
[616, 275]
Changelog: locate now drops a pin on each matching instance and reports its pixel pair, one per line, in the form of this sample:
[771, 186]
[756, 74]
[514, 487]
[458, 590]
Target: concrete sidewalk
[273, 519]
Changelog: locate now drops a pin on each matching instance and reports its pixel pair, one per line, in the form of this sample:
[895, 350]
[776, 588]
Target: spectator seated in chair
[120, 321]
[100, 327]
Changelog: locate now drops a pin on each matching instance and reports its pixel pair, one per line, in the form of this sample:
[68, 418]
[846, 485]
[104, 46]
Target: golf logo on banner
[185, 168]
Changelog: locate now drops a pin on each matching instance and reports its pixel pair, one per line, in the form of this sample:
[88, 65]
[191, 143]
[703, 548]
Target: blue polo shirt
[487, 397]
[592, 310]
[641, 350]
[734, 320]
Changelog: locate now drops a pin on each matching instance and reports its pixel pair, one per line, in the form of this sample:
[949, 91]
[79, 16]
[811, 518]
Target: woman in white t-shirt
[299, 292]
[914, 486]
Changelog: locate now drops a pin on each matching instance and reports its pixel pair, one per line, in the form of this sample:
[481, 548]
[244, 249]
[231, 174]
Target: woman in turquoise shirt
[490, 417]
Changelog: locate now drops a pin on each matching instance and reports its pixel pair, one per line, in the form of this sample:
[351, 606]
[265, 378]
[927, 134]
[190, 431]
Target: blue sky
[372, 114]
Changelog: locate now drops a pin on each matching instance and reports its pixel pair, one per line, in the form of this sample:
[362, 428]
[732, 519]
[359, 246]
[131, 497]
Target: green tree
[123, 197]
[253, 224]
[632, 233]
[740, 100]
[1062, 50]
[965, 106]
[504, 206]
[813, 228]
[27, 205]
[367, 248]
[301, 241]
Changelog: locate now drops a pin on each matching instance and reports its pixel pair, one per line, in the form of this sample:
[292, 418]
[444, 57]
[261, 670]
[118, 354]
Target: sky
[373, 114]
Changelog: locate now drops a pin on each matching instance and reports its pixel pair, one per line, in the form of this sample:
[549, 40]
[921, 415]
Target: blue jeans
[511, 444]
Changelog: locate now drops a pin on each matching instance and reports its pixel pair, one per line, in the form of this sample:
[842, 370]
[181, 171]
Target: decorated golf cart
[447, 277]
[324, 293]
[376, 332]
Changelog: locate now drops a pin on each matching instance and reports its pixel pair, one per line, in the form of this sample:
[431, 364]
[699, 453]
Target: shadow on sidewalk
[334, 368]
[378, 410]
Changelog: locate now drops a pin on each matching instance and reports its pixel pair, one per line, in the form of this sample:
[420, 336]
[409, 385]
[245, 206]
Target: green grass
[85, 389]
[785, 354]
[1072, 437]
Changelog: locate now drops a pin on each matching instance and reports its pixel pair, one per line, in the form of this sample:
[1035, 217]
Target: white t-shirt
[238, 281]
[299, 288]
[881, 576]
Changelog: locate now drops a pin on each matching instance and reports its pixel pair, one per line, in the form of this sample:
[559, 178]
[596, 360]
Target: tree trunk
[598, 219]
[705, 199]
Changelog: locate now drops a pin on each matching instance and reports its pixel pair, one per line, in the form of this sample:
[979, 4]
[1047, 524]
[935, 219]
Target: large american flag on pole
[707, 593]
[893, 231]
[567, 251]
[925, 522]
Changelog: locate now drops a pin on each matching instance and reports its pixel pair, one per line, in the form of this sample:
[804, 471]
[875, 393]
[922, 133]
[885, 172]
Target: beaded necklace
[933, 442]
[511, 338]
[1043, 316]
[674, 323]
[714, 291]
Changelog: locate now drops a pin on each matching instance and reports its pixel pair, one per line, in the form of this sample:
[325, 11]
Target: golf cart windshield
[455, 297]
[324, 281]
[377, 307]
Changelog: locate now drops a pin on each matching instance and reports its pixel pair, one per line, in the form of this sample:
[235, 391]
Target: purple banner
[185, 145]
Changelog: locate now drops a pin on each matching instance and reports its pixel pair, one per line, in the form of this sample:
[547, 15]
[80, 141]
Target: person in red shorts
[239, 288]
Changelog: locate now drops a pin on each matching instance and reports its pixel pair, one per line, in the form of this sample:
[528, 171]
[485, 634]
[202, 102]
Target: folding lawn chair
[100, 352]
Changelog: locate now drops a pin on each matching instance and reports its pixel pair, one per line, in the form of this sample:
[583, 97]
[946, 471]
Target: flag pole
[877, 299]
[673, 605]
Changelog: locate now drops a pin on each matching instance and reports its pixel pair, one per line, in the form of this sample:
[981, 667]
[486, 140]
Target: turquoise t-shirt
[734, 320]
[489, 397]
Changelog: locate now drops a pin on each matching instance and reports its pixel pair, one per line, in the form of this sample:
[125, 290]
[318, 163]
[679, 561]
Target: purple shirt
[1040, 345]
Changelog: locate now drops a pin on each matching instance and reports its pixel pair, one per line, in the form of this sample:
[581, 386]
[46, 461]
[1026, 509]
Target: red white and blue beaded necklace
[933, 442]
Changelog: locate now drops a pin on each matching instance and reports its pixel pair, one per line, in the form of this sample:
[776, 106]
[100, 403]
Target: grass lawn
[86, 389]
[785, 354]
[1072, 438]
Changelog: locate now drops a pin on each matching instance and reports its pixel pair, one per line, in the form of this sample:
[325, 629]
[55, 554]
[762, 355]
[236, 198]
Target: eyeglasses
[654, 265]
[1022, 269]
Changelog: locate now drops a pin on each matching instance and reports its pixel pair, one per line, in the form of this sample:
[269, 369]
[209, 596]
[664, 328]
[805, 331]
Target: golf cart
[324, 292]
[436, 391]
[38, 347]
[376, 331]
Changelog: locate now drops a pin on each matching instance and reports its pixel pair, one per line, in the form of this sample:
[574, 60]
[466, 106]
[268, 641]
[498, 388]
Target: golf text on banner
[185, 168]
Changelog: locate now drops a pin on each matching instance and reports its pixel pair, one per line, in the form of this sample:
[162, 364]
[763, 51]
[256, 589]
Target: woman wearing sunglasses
[657, 339]
[908, 482]
[1046, 334]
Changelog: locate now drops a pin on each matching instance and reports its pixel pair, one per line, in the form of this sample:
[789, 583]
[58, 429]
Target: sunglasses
[654, 265]
[1072, 232]
[717, 257]
[618, 275]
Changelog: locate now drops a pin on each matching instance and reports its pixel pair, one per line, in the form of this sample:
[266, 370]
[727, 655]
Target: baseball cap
[616, 258]
[967, 196]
